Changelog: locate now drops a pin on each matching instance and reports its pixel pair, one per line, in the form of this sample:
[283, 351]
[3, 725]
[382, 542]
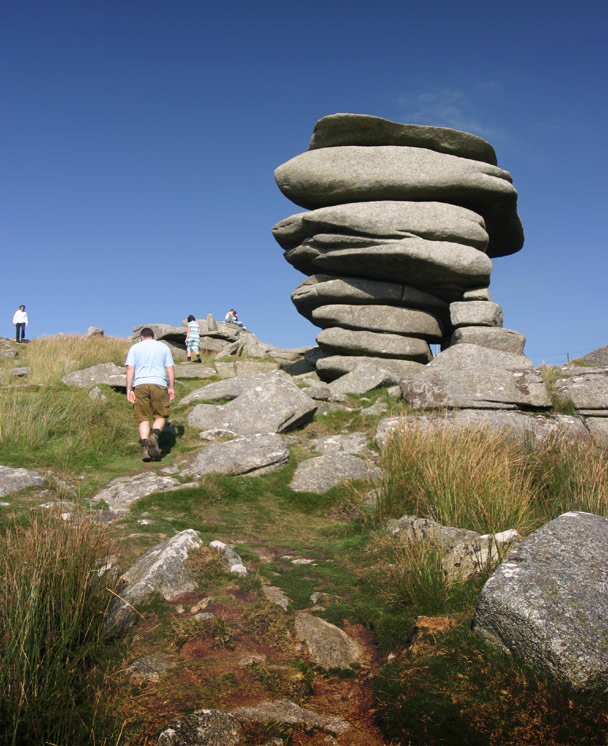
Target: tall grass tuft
[50, 358]
[53, 599]
[468, 478]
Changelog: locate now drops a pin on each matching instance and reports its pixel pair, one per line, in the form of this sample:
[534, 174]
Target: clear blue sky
[139, 139]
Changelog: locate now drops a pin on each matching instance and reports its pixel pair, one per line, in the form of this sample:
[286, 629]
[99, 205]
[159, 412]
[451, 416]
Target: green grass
[53, 598]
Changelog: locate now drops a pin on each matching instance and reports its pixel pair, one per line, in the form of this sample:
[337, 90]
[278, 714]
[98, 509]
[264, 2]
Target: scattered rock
[161, 570]
[276, 596]
[13, 480]
[150, 667]
[328, 645]
[233, 559]
[203, 728]
[120, 493]
[284, 711]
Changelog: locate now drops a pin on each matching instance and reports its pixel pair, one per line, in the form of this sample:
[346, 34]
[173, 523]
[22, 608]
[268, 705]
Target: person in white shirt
[20, 322]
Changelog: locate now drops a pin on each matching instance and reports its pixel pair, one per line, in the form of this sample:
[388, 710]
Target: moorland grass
[54, 594]
[488, 482]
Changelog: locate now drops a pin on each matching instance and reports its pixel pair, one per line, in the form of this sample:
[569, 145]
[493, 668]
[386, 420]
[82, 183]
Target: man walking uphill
[147, 389]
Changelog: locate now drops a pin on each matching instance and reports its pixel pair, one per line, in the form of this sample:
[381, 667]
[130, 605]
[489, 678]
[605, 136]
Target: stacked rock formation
[402, 224]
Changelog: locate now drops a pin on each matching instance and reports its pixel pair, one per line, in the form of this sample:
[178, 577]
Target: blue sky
[139, 140]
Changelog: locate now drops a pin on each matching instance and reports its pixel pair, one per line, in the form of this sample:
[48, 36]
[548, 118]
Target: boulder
[252, 454]
[327, 645]
[276, 405]
[161, 570]
[345, 342]
[362, 379]
[587, 391]
[93, 331]
[321, 473]
[493, 337]
[475, 313]
[528, 428]
[106, 373]
[203, 728]
[471, 377]
[441, 268]
[598, 357]
[436, 221]
[406, 321]
[338, 175]
[548, 602]
[14, 480]
[364, 129]
[321, 290]
[334, 366]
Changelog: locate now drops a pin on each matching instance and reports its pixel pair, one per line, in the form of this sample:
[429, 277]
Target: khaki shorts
[151, 402]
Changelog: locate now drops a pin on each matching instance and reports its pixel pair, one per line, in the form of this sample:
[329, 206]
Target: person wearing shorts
[193, 339]
[149, 363]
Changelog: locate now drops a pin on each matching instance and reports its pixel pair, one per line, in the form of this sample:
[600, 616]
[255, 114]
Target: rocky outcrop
[403, 221]
[547, 602]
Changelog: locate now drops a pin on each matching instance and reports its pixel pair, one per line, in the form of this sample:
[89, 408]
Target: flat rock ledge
[530, 428]
[284, 711]
[547, 603]
[252, 454]
[203, 728]
[322, 473]
[122, 492]
[14, 480]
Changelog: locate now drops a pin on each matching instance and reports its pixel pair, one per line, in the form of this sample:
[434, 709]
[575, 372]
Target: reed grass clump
[473, 479]
[50, 358]
[54, 594]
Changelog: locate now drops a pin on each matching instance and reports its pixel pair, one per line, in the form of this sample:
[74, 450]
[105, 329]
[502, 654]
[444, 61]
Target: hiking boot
[154, 450]
[145, 453]
[198, 360]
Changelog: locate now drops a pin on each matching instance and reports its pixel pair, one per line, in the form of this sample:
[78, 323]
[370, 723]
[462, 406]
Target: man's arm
[171, 386]
[130, 377]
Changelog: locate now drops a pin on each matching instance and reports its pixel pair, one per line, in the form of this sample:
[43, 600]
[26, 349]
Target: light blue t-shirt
[150, 359]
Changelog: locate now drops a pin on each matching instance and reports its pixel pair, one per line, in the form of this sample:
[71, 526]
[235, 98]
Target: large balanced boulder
[403, 220]
[548, 602]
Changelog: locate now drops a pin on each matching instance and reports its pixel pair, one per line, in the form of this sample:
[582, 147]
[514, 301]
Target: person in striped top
[193, 339]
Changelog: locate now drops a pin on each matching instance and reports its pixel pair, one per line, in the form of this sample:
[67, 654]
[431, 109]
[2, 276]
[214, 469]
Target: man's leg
[157, 428]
